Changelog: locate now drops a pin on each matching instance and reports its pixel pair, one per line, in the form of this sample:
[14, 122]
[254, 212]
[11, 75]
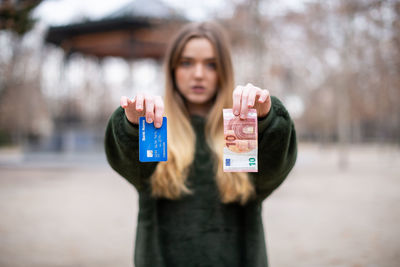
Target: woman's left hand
[250, 96]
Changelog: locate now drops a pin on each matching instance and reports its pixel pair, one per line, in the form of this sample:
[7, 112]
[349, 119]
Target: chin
[199, 100]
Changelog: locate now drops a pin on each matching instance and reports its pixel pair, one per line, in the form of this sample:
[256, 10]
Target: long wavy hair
[169, 178]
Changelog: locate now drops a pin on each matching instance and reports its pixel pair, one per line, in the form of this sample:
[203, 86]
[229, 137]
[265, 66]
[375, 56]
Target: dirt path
[321, 216]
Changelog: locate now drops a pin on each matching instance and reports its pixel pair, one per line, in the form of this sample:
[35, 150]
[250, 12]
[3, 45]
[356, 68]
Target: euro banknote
[240, 150]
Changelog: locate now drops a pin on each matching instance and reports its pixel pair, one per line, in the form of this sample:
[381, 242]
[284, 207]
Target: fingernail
[236, 112]
[158, 125]
[150, 120]
[242, 116]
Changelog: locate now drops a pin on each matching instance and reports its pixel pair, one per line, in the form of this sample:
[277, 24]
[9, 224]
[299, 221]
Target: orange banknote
[240, 150]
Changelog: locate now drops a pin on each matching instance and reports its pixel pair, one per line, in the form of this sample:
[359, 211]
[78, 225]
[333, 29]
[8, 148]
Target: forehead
[198, 47]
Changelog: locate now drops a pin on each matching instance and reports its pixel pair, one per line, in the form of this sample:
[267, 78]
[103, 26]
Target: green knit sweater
[199, 230]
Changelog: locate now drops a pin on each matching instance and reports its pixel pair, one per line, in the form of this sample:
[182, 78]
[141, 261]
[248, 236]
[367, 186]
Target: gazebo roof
[139, 29]
[146, 9]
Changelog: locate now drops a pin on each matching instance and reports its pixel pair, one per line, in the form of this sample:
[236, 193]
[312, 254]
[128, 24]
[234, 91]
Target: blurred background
[64, 64]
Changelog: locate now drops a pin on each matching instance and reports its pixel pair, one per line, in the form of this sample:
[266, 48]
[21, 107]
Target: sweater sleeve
[277, 149]
[122, 150]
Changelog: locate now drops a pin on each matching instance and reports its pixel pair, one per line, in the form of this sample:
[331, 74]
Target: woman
[191, 213]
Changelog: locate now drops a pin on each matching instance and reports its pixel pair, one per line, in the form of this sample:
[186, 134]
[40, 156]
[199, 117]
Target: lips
[198, 89]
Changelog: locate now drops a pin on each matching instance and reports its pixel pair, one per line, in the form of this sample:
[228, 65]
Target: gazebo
[137, 30]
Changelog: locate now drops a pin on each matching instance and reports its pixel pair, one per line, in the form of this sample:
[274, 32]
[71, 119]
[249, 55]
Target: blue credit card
[152, 141]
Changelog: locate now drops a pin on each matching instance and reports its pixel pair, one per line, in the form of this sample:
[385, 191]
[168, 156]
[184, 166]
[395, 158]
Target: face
[196, 74]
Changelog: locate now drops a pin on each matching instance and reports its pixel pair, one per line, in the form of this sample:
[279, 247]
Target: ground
[59, 211]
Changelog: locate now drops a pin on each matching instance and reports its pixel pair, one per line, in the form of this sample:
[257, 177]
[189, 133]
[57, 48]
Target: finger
[264, 95]
[252, 96]
[237, 95]
[139, 102]
[158, 111]
[243, 105]
[149, 103]
[124, 102]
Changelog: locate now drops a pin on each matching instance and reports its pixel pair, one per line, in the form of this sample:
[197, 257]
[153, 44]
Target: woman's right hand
[152, 107]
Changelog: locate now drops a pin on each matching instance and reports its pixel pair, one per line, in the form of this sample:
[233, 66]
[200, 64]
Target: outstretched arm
[277, 147]
[122, 137]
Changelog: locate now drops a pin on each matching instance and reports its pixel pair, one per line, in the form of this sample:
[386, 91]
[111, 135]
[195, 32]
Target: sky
[58, 12]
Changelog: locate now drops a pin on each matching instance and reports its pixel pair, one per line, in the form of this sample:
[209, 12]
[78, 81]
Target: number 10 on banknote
[240, 150]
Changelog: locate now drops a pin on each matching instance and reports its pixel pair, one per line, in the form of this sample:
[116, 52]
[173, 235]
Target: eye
[185, 63]
[212, 65]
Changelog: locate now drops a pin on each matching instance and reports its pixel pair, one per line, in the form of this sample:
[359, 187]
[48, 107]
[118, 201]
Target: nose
[199, 71]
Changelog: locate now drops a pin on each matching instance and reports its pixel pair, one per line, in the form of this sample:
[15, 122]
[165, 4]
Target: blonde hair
[169, 178]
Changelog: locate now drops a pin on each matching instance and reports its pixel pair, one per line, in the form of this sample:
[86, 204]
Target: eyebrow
[190, 58]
